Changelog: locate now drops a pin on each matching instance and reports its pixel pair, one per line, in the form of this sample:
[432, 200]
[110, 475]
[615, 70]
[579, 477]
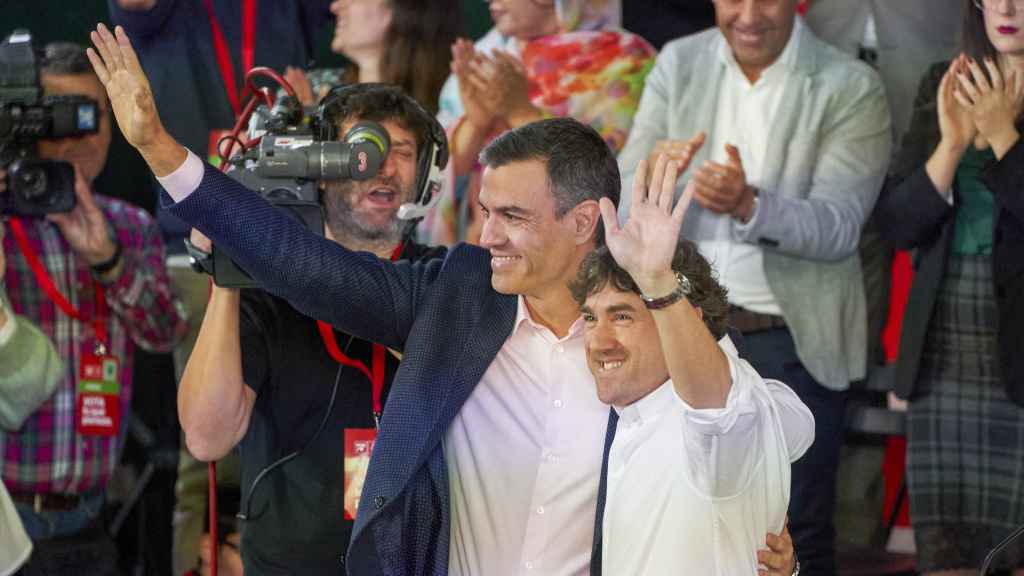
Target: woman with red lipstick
[956, 196]
[400, 42]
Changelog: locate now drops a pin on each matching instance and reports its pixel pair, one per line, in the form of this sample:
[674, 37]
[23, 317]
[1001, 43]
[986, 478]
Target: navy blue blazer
[442, 314]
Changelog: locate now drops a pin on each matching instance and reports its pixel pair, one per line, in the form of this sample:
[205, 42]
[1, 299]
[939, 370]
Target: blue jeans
[813, 495]
[52, 524]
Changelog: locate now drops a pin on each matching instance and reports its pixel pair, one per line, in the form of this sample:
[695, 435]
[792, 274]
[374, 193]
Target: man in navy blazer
[488, 454]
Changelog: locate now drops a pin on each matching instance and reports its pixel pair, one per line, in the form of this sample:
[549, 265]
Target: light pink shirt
[524, 459]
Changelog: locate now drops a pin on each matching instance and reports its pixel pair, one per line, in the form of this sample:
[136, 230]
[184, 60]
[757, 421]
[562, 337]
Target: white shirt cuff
[185, 179]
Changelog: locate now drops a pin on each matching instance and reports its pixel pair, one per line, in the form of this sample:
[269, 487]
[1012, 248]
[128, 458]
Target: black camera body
[287, 165]
[36, 186]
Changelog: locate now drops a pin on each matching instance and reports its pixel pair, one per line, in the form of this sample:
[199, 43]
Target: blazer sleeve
[1005, 179]
[910, 210]
[358, 292]
[854, 151]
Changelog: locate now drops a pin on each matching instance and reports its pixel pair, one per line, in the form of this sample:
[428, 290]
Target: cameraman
[93, 281]
[264, 377]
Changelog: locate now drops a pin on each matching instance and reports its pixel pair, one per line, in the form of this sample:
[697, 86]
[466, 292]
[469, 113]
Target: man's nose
[491, 233]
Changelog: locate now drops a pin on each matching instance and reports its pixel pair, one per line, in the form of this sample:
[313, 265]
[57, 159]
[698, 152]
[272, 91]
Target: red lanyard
[99, 324]
[220, 45]
[377, 360]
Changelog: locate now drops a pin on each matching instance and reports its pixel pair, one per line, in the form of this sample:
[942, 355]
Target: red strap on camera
[98, 321]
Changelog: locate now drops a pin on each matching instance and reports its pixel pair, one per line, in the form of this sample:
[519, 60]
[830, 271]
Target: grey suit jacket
[832, 146]
[912, 34]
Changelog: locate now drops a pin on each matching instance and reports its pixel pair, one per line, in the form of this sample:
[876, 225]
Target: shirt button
[529, 565]
[557, 403]
[560, 348]
[540, 509]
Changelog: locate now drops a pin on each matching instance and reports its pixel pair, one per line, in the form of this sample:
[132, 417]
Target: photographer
[272, 381]
[93, 281]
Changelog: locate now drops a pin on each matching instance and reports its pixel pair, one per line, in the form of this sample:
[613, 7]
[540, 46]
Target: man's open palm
[126, 84]
[644, 246]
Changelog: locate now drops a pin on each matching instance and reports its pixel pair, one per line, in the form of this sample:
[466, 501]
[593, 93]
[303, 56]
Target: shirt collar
[786, 62]
[649, 407]
[523, 316]
[661, 398]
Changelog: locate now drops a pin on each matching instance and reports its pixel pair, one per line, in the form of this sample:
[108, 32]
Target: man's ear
[586, 216]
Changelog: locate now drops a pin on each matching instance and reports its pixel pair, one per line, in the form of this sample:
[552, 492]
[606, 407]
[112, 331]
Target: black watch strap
[683, 289]
[200, 260]
[110, 263]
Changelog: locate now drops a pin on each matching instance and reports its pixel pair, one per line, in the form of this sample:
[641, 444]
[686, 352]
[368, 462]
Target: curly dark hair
[599, 268]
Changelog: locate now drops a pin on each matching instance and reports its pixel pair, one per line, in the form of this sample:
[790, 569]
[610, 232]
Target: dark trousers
[813, 495]
[69, 543]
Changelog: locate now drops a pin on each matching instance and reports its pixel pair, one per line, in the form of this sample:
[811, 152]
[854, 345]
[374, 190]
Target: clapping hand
[995, 102]
[723, 188]
[510, 81]
[956, 123]
[473, 70]
[644, 246]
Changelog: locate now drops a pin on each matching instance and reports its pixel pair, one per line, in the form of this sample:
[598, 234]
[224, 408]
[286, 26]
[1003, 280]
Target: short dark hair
[599, 269]
[65, 59]
[580, 165]
[376, 103]
[976, 42]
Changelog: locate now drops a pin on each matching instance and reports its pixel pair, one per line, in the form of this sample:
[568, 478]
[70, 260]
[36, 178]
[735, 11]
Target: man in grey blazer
[796, 140]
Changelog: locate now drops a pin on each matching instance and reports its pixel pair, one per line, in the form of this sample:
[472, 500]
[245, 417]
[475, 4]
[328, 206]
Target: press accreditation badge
[98, 411]
[358, 447]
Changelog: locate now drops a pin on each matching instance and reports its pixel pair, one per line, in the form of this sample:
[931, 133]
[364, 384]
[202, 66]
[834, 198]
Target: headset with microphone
[432, 155]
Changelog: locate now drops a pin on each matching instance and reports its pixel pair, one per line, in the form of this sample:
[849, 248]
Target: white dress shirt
[743, 120]
[696, 491]
[524, 459]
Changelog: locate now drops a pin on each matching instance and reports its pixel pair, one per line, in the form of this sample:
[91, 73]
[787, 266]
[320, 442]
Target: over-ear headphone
[432, 155]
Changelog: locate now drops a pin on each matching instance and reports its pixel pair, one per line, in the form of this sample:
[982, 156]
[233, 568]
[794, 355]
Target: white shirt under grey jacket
[828, 147]
[696, 491]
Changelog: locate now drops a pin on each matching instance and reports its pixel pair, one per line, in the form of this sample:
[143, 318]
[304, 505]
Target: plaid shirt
[47, 454]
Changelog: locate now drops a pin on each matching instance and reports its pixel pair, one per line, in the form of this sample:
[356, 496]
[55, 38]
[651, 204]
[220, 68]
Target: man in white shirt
[699, 468]
[798, 141]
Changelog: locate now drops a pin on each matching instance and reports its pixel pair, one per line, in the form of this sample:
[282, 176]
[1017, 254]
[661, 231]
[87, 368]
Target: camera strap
[376, 376]
[98, 321]
[220, 46]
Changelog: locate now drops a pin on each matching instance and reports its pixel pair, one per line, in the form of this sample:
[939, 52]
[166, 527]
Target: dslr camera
[291, 157]
[36, 186]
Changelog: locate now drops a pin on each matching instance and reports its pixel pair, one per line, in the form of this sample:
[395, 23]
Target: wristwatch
[200, 260]
[683, 288]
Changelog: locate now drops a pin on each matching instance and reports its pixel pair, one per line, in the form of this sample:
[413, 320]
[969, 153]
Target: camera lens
[31, 184]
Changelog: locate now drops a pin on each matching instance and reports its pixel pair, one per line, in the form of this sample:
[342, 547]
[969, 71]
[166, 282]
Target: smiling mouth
[609, 366]
[503, 260]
